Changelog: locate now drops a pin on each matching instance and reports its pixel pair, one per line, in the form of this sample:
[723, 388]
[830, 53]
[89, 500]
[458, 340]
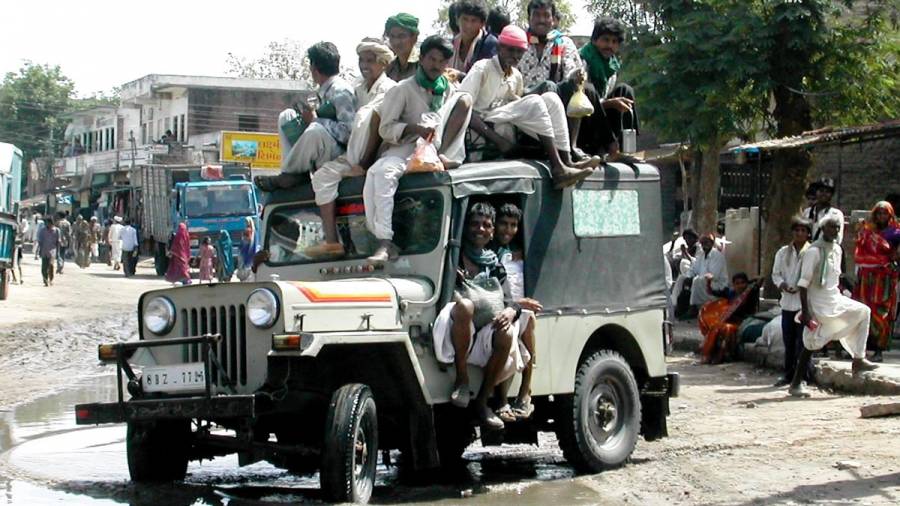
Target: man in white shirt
[405, 117]
[822, 209]
[374, 57]
[709, 272]
[785, 275]
[129, 249]
[115, 242]
[498, 90]
[827, 314]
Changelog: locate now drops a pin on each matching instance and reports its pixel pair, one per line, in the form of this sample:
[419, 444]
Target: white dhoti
[840, 319]
[327, 178]
[536, 116]
[115, 251]
[481, 346]
[383, 177]
[313, 149]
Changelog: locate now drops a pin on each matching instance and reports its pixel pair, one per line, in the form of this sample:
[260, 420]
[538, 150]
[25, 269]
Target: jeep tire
[350, 449]
[598, 425]
[158, 451]
[4, 283]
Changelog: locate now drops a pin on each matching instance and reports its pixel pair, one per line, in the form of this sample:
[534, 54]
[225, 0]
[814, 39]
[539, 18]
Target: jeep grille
[231, 351]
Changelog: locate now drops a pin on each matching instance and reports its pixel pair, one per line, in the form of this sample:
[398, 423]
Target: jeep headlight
[262, 308]
[159, 315]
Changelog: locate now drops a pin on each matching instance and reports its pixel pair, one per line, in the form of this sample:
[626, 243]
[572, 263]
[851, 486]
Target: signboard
[260, 150]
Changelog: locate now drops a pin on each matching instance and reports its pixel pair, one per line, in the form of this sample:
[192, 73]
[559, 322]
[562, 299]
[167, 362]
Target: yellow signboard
[260, 150]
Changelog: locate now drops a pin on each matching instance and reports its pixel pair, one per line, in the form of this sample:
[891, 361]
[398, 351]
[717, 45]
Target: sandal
[523, 408]
[489, 419]
[506, 414]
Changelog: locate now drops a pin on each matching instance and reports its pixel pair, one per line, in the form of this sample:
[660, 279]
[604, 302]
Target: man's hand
[422, 131]
[785, 288]
[620, 104]
[804, 318]
[504, 320]
[261, 257]
[530, 304]
[708, 276]
[579, 77]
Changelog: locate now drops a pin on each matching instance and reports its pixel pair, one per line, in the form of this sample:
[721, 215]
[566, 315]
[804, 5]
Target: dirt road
[734, 439]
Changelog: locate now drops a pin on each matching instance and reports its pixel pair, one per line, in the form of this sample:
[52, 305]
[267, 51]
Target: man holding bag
[427, 94]
[497, 90]
[324, 131]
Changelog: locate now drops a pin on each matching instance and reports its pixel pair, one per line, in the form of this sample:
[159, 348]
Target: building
[160, 119]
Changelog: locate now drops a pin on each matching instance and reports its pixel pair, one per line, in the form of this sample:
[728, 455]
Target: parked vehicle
[10, 194]
[336, 358]
[208, 199]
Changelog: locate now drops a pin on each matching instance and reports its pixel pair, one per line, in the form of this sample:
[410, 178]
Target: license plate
[175, 378]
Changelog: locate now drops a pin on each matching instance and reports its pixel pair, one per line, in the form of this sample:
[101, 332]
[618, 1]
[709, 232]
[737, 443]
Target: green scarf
[484, 258]
[827, 249]
[600, 69]
[437, 87]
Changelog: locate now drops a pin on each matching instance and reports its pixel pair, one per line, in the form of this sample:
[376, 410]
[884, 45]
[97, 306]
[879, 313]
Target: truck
[10, 194]
[209, 199]
[320, 363]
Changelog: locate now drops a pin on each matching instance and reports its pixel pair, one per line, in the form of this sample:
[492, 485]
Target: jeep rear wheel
[599, 424]
[350, 449]
[158, 451]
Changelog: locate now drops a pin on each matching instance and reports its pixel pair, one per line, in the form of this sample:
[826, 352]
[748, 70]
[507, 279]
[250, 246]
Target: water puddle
[46, 458]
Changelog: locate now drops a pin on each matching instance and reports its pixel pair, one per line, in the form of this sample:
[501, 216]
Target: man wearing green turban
[402, 33]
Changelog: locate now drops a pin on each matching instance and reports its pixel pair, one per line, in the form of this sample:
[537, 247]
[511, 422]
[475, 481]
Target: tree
[517, 9]
[285, 59]
[32, 102]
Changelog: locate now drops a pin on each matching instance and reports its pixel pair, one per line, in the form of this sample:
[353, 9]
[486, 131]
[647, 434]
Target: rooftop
[163, 82]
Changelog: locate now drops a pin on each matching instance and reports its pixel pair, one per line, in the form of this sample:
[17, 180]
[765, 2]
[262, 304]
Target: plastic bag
[579, 105]
[425, 156]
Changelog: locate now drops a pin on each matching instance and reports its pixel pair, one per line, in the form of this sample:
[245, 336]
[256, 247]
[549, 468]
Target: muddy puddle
[45, 458]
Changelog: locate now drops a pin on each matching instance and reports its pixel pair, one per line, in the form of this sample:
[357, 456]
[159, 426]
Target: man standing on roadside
[826, 313]
[129, 249]
[65, 239]
[48, 247]
[115, 242]
[785, 275]
[82, 242]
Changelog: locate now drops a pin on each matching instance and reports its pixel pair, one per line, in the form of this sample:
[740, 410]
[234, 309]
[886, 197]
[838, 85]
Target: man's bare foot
[387, 252]
[325, 250]
[448, 163]
[567, 176]
[862, 365]
[591, 162]
[489, 419]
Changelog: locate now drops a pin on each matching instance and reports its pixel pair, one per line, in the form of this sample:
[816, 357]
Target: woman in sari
[249, 247]
[878, 273]
[226, 260]
[180, 257]
[720, 319]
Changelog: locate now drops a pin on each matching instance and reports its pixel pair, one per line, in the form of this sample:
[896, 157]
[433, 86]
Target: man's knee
[463, 311]
[463, 104]
[623, 90]
[502, 342]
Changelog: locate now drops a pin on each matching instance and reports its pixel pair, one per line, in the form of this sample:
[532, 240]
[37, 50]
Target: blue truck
[208, 199]
[10, 194]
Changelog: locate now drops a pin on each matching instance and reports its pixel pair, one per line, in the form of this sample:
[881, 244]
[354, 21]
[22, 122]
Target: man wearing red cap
[497, 89]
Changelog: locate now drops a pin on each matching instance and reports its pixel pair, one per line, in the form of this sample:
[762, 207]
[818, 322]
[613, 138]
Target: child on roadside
[207, 260]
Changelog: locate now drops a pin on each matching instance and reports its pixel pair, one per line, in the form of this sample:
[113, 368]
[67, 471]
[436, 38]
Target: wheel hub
[361, 453]
[604, 414]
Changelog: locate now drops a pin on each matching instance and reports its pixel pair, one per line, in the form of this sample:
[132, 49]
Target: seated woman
[720, 319]
[481, 326]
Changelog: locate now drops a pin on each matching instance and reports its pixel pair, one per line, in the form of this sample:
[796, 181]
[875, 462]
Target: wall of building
[211, 110]
[865, 171]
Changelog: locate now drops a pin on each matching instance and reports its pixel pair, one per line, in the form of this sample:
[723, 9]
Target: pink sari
[179, 261]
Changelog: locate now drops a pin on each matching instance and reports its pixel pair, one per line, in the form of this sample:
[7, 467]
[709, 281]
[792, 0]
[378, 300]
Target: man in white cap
[827, 314]
[497, 89]
[115, 242]
[362, 148]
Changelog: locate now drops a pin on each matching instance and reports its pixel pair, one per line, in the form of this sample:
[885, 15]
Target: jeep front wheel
[598, 425]
[158, 451]
[350, 449]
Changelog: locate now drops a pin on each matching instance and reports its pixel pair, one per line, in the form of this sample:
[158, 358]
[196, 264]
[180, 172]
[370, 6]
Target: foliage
[640, 16]
[32, 102]
[100, 98]
[285, 59]
[517, 9]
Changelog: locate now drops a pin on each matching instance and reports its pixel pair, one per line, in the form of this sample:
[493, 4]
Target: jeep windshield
[293, 229]
[219, 201]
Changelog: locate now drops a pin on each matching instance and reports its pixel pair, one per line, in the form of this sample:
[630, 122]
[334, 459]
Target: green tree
[285, 59]
[517, 9]
[32, 102]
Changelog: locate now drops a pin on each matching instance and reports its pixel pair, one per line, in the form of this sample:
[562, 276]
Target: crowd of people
[820, 301]
[494, 90]
[213, 260]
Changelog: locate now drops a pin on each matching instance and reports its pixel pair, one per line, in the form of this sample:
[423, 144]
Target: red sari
[878, 275]
[719, 322]
[180, 256]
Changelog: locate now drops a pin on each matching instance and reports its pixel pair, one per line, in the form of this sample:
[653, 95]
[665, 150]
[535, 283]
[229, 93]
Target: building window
[144, 133]
[159, 128]
[175, 127]
[150, 132]
[183, 129]
[248, 122]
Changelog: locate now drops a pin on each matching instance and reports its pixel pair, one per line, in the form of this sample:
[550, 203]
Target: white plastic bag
[579, 105]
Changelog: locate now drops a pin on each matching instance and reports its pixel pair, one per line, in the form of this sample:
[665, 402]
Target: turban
[513, 36]
[402, 20]
[383, 54]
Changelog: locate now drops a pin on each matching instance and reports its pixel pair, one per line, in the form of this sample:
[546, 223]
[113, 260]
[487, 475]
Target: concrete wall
[742, 231]
[212, 110]
[865, 172]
